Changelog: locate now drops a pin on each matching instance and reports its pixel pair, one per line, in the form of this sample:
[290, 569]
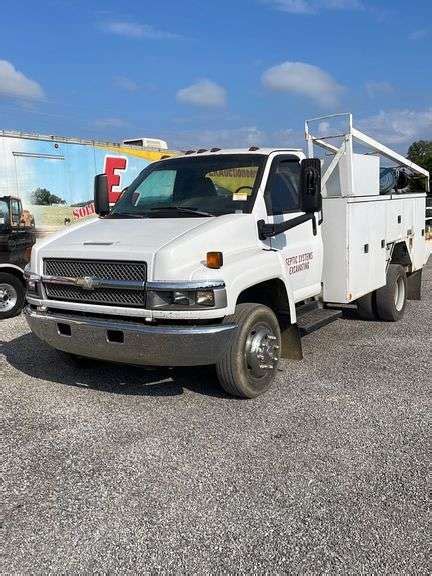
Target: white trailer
[228, 257]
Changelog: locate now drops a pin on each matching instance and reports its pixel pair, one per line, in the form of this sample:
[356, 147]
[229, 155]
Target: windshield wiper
[181, 209]
[126, 215]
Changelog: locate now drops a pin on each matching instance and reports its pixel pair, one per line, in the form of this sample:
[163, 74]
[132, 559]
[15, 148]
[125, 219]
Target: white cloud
[342, 4]
[112, 122]
[418, 34]
[243, 137]
[129, 85]
[323, 128]
[376, 88]
[314, 6]
[14, 84]
[397, 127]
[203, 93]
[125, 83]
[304, 79]
[136, 30]
[293, 6]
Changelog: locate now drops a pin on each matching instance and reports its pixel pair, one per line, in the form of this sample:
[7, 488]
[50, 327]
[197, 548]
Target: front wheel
[11, 295]
[249, 365]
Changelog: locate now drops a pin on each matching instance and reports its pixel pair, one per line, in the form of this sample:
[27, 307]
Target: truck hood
[123, 239]
[174, 248]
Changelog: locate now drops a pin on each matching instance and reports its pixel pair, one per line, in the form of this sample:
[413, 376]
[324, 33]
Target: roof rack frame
[346, 148]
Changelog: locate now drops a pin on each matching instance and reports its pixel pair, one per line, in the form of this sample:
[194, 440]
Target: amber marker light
[214, 259]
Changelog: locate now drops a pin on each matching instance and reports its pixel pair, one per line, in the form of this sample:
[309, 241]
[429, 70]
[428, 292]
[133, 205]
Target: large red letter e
[113, 163]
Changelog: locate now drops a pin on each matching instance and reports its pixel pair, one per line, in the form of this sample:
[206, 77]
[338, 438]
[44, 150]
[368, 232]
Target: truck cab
[217, 257]
[17, 237]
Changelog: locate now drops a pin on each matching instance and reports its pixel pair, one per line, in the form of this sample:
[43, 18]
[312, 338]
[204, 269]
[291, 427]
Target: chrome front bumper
[132, 343]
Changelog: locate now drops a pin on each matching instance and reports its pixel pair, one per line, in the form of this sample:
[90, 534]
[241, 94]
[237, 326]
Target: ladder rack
[346, 148]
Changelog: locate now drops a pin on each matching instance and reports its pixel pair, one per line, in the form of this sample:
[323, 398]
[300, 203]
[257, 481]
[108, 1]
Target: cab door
[4, 231]
[20, 236]
[301, 247]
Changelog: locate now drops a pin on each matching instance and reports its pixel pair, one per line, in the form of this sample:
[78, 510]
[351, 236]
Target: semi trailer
[53, 175]
[46, 183]
[228, 257]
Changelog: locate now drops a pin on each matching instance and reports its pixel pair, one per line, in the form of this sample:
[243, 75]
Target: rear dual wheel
[249, 365]
[391, 298]
[387, 303]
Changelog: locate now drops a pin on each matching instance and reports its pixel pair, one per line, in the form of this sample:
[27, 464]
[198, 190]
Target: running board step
[316, 319]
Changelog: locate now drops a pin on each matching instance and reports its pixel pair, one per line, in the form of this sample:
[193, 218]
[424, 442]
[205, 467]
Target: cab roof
[253, 150]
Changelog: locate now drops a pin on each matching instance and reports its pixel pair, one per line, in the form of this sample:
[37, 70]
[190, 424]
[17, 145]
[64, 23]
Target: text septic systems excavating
[299, 263]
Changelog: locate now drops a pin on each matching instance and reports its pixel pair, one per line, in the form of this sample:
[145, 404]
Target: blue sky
[226, 72]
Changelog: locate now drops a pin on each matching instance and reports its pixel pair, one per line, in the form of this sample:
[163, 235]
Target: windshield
[195, 186]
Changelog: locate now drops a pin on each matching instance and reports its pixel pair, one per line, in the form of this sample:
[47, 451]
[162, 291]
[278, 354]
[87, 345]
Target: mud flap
[291, 341]
[414, 281]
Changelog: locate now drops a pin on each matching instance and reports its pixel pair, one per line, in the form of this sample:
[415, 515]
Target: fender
[241, 273]
[14, 269]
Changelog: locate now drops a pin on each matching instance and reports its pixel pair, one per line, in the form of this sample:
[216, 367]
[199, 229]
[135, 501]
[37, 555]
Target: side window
[282, 192]
[15, 212]
[4, 214]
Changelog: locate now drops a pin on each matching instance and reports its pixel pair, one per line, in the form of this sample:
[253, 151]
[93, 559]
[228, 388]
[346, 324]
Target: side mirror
[310, 185]
[101, 195]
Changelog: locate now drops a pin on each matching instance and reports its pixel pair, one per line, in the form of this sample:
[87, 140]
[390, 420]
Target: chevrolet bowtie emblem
[86, 283]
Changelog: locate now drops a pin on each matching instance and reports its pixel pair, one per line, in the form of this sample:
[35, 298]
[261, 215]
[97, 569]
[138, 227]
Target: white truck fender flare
[270, 266]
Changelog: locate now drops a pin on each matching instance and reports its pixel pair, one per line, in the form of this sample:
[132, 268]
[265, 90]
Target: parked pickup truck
[17, 237]
[228, 257]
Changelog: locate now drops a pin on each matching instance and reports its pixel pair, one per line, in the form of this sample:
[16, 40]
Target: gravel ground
[117, 470]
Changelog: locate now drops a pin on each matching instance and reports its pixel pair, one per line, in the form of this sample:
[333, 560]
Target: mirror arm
[270, 230]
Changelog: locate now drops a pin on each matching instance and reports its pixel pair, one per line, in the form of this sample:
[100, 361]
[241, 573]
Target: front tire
[11, 295]
[249, 365]
[391, 298]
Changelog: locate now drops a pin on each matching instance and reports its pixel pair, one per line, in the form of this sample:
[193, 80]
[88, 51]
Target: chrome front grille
[107, 269]
[117, 271]
[104, 296]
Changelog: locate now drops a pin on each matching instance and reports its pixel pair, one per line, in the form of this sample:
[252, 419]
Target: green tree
[420, 152]
[43, 197]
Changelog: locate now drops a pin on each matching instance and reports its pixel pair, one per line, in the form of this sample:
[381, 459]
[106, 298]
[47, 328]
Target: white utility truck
[227, 257]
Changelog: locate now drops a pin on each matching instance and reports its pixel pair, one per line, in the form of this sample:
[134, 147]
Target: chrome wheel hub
[8, 297]
[399, 294]
[262, 350]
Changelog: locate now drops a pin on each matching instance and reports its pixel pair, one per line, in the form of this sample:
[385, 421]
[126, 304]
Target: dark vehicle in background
[17, 237]
[429, 218]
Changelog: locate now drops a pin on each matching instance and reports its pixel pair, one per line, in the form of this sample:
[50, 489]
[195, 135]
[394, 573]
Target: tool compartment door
[418, 245]
[366, 252]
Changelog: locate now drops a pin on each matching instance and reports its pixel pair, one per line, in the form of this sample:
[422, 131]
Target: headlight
[205, 298]
[185, 296]
[180, 299]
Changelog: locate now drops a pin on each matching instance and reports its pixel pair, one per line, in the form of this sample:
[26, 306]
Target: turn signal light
[214, 259]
